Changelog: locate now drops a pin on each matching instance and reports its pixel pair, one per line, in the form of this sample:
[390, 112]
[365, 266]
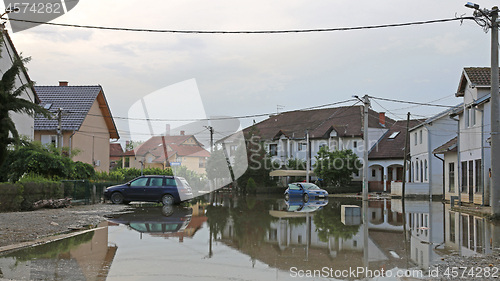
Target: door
[136, 191]
[154, 189]
[294, 190]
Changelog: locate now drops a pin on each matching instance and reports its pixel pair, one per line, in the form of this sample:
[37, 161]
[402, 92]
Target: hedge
[21, 195]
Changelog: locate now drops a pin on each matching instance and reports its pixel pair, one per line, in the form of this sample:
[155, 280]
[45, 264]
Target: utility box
[351, 215]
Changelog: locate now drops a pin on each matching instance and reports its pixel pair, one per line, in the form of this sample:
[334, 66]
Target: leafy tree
[12, 102]
[217, 165]
[336, 167]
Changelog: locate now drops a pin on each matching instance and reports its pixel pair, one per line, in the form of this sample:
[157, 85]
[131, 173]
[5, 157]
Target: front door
[136, 191]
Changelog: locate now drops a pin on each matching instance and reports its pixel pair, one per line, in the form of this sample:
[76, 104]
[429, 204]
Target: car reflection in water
[301, 206]
[157, 220]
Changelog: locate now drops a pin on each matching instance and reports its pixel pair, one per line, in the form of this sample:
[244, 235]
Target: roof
[392, 148]
[447, 112]
[76, 102]
[345, 121]
[175, 145]
[479, 76]
[449, 146]
[115, 150]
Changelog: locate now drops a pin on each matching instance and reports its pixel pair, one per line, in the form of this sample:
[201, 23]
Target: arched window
[421, 171]
[425, 169]
[416, 170]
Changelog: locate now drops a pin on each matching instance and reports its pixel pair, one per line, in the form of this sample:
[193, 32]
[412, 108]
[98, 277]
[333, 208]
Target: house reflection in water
[85, 256]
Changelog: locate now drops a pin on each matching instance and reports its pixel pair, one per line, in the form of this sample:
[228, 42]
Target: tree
[11, 101]
[336, 167]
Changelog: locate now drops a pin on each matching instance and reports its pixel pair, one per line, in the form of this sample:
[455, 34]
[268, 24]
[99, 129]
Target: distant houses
[161, 151]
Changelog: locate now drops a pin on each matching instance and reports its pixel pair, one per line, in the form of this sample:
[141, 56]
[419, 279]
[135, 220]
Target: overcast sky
[253, 73]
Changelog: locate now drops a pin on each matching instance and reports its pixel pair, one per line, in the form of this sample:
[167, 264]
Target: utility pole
[211, 129]
[488, 20]
[59, 127]
[308, 158]
[366, 102]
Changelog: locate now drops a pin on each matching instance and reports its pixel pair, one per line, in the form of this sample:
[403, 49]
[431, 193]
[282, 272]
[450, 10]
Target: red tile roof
[480, 76]
[115, 150]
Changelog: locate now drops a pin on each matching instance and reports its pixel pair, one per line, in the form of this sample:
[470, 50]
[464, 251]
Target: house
[338, 128]
[115, 154]
[425, 168]
[468, 158]
[160, 151]
[24, 123]
[387, 156]
[86, 122]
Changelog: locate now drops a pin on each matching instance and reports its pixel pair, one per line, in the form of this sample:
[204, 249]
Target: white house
[425, 173]
[338, 128]
[467, 169]
[24, 123]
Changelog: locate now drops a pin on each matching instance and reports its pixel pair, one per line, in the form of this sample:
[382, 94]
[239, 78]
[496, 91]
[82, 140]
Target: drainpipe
[459, 166]
[70, 143]
[444, 167]
[482, 153]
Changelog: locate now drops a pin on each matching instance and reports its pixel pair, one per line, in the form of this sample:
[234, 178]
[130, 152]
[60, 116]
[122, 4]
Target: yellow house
[160, 151]
[86, 122]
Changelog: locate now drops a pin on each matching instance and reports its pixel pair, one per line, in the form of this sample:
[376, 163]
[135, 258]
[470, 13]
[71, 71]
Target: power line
[461, 19]
[412, 102]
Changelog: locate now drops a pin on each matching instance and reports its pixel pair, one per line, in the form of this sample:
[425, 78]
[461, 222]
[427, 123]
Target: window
[471, 174]
[410, 172]
[425, 170]
[473, 116]
[421, 136]
[202, 163]
[415, 138]
[139, 182]
[421, 171]
[299, 239]
[170, 182]
[155, 182]
[354, 243]
[127, 162]
[49, 139]
[273, 149]
[416, 171]
[232, 150]
[466, 117]
[464, 176]
[451, 177]
[393, 135]
[374, 173]
[479, 176]
[354, 144]
[301, 146]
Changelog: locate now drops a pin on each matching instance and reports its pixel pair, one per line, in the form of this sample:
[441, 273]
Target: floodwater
[227, 237]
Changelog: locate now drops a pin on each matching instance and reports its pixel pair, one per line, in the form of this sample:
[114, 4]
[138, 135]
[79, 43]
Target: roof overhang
[106, 114]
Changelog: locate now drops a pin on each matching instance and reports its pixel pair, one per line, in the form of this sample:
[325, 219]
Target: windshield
[309, 186]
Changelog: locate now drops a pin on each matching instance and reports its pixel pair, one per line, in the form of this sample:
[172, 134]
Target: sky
[246, 74]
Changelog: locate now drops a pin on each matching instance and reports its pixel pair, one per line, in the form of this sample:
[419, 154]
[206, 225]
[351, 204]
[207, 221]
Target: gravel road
[20, 227]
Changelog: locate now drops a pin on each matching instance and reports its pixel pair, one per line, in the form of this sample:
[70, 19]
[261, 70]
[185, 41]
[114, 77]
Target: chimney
[182, 133]
[167, 130]
[381, 118]
[63, 83]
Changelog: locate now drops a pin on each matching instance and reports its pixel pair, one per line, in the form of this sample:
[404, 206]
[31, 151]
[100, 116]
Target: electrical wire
[461, 19]
[412, 102]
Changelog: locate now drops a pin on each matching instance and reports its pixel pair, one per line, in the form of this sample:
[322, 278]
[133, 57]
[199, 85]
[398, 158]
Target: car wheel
[117, 198]
[167, 199]
[306, 198]
[287, 196]
[167, 210]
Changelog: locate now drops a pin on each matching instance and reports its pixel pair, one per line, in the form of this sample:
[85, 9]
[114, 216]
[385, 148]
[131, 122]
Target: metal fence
[86, 192]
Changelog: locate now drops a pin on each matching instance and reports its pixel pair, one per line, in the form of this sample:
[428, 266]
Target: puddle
[225, 237]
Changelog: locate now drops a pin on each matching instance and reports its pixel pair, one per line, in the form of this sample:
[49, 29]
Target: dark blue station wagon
[165, 189]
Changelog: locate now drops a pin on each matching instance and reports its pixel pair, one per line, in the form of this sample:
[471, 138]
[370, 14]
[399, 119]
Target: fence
[86, 192]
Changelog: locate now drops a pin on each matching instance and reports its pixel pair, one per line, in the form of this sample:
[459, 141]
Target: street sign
[175, 163]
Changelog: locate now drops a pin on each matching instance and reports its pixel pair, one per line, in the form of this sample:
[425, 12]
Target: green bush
[21, 195]
[11, 196]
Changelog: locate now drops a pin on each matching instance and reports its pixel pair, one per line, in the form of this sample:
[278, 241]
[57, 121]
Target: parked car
[165, 189]
[299, 205]
[305, 191]
[166, 219]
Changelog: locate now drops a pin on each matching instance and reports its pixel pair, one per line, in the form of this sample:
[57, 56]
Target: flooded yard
[222, 236]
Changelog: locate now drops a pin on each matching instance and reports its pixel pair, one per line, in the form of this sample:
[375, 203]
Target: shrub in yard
[11, 196]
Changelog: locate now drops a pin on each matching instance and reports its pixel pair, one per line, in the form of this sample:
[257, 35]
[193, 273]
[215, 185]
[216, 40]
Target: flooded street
[227, 237]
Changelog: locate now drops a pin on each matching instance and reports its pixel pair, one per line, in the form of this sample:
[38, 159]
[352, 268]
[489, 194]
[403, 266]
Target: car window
[156, 182]
[155, 227]
[139, 227]
[293, 187]
[139, 182]
[310, 186]
[170, 182]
